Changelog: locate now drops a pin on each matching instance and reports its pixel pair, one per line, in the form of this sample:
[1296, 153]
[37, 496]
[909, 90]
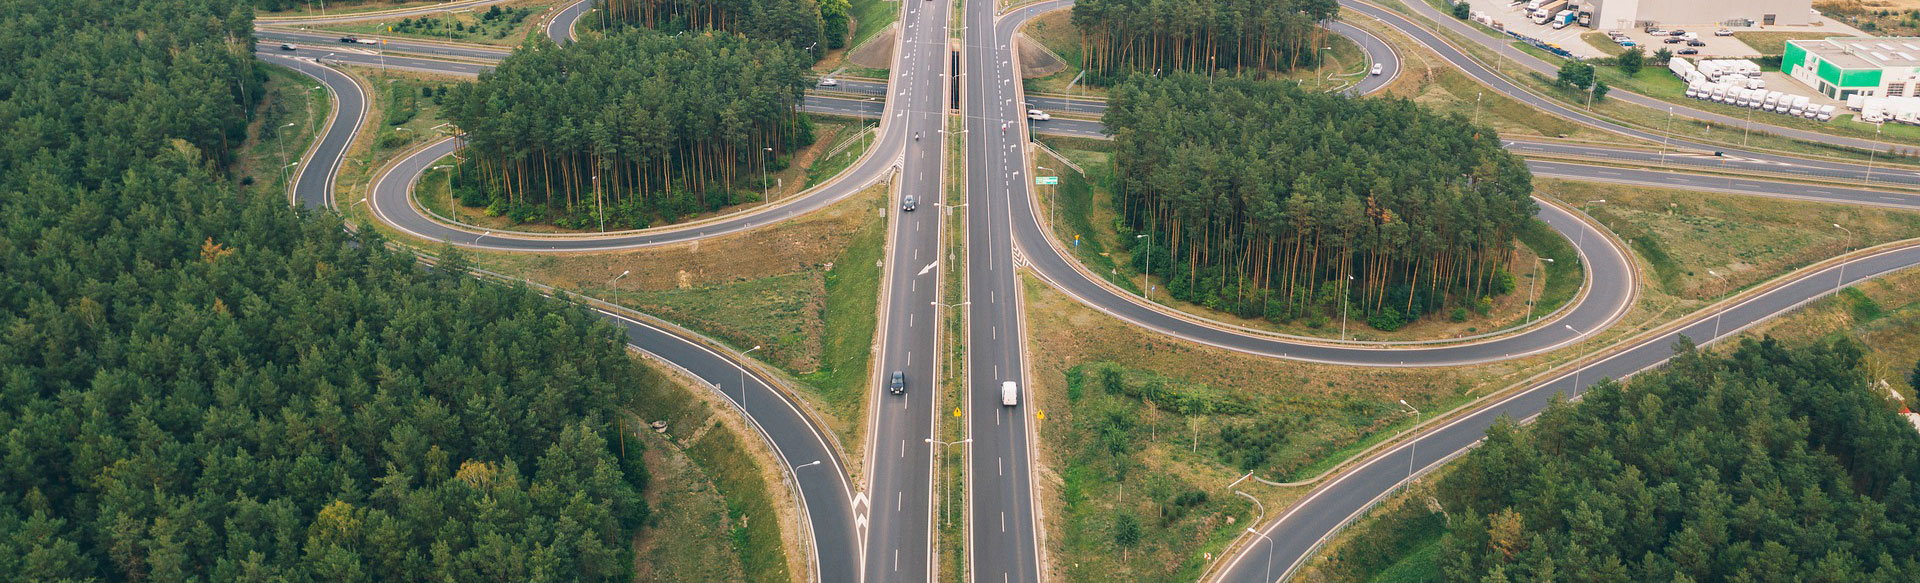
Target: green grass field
[871, 17]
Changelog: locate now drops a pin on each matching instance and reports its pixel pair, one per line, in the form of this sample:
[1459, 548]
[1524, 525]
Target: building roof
[1865, 52]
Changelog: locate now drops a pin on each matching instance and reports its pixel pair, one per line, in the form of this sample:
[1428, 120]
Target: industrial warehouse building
[1626, 14]
[1844, 67]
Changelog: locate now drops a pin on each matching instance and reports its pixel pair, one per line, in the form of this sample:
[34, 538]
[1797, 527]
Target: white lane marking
[903, 448]
[1003, 521]
[924, 270]
[1001, 463]
[899, 498]
[909, 320]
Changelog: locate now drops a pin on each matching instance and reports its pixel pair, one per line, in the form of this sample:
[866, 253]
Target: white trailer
[1771, 101]
[1826, 113]
[1798, 106]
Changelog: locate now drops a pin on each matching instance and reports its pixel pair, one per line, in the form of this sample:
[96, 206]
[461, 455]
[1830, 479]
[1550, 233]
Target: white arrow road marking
[924, 270]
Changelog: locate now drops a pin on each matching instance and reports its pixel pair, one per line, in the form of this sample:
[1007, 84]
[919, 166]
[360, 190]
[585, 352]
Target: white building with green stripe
[1844, 67]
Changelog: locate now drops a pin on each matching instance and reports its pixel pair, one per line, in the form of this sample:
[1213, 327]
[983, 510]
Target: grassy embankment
[1650, 82]
[1085, 206]
[290, 98]
[340, 8]
[715, 516]
[505, 24]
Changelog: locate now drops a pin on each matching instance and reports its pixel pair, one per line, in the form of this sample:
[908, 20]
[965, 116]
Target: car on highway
[907, 203]
[350, 39]
[1037, 115]
[829, 82]
[1723, 32]
[288, 47]
[1010, 393]
[1377, 68]
[899, 383]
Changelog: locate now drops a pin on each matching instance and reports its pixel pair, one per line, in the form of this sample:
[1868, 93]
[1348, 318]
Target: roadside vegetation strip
[870, 17]
[363, 11]
[505, 24]
[291, 115]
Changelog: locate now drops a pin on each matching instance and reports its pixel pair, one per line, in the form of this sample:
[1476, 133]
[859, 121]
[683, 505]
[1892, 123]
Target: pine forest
[1266, 199]
[640, 125]
[199, 382]
[1773, 463]
[1241, 36]
[801, 24]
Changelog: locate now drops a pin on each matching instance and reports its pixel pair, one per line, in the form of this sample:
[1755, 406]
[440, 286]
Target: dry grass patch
[1704, 245]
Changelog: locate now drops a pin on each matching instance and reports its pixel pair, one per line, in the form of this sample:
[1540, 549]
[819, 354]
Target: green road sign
[1046, 180]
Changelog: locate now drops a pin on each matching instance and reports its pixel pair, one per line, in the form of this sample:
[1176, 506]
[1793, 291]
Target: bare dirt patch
[877, 53]
[1035, 60]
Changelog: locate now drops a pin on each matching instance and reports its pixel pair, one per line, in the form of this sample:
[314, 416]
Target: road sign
[1046, 180]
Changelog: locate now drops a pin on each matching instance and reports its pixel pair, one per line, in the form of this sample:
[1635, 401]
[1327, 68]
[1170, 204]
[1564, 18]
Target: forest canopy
[648, 126]
[800, 24]
[200, 383]
[1263, 198]
[1122, 36]
[1770, 464]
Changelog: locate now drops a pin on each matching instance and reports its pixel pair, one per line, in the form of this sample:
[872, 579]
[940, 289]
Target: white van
[1010, 393]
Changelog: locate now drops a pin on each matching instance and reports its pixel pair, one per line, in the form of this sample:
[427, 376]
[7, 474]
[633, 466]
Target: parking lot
[1514, 17]
[1716, 47]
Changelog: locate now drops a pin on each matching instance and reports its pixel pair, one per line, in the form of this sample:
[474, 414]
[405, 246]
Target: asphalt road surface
[898, 509]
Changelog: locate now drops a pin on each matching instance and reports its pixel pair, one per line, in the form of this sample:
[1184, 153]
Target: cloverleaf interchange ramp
[830, 506]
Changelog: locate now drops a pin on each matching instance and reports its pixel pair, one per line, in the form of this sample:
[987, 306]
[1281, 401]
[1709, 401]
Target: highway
[898, 507]
[1001, 218]
[1003, 540]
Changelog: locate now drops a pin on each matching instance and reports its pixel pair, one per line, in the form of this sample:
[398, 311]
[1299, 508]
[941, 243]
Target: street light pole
[610, 288]
[1414, 449]
[1666, 136]
[1344, 303]
[1843, 263]
[943, 499]
[743, 379]
[1876, 136]
[1050, 196]
[936, 318]
[1146, 277]
[763, 179]
[282, 135]
[1534, 298]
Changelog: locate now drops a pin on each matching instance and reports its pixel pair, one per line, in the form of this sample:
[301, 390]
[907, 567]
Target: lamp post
[1576, 372]
[1414, 449]
[763, 178]
[1583, 229]
[282, 135]
[743, 379]
[936, 318]
[599, 202]
[1050, 197]
[1344, 303]
[1665, 136]
[616, 296]
[1476, 106]
[1876, 136]
[1533, 297]
[943, 499]
[1321, 78]
[1843, 263]
[1253, 532]
[1146, 276]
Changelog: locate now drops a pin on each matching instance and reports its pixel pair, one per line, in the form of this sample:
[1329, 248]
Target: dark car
[1676, 32]
[288, 47]
[899, 383]
[349, 39]
[1688, 52]
[1696, 43]
[1674, 40]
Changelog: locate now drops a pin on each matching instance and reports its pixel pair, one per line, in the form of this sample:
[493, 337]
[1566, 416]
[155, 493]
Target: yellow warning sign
[956, 412]
[1041, 415]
